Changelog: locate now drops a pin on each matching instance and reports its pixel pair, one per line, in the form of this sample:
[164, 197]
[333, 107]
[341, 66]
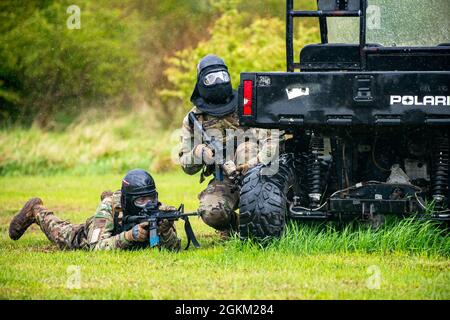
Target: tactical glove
[164, 226]
[138, 233]
[204, 153]
[168, 236]
[230, 169]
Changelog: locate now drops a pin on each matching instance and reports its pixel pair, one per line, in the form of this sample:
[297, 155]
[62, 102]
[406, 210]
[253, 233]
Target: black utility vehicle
[366, 123]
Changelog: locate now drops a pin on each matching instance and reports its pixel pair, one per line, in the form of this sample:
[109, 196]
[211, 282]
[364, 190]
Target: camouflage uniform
[98, 233]
[220, 199]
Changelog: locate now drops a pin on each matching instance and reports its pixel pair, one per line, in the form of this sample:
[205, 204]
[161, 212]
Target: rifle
[153, 215]
[211, 143]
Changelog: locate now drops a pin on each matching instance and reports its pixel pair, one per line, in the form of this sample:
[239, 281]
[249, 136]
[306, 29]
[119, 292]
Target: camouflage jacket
[244, 146]
[101, 233]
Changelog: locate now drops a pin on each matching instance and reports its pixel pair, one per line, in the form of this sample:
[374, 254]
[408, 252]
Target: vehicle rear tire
[263, 201]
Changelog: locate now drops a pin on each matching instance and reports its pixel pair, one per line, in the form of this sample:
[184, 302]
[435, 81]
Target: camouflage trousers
[218, 203]
[68, 236]
[65, 235]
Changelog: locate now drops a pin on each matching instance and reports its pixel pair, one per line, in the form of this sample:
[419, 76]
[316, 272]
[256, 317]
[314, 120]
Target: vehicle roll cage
[350, 8]
[322, 15]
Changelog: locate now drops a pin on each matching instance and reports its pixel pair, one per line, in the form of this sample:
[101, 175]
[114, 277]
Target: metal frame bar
[323, 28]
[322, 15]
[362, 33]
[289, 36]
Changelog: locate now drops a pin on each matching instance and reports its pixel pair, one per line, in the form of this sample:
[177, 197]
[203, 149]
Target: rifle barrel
[158, 215]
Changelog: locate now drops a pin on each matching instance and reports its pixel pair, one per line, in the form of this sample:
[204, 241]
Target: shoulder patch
[95, 235]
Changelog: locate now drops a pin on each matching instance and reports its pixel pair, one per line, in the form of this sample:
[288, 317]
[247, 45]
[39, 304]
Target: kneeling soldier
[103, 230]
[215, 107]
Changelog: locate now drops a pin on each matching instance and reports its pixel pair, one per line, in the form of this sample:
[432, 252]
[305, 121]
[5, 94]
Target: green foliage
[50, 65]
[116, 59]
[246, 42]
[51, 74]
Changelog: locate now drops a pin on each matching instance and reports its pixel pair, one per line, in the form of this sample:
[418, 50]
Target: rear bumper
[340, 99]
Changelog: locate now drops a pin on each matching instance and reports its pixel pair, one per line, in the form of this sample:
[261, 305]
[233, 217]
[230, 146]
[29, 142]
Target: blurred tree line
[245, 43]
[127, 52]
[48, 70]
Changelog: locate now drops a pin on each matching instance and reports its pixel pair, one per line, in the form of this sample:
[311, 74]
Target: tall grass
[410, 236]
[92, 145]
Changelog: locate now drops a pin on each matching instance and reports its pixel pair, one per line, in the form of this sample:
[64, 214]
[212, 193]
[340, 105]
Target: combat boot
[24, 218]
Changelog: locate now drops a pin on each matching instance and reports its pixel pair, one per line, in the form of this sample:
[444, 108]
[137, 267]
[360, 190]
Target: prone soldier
[102, 231]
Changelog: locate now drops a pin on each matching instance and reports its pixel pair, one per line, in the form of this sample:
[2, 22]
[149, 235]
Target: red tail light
[248, 97]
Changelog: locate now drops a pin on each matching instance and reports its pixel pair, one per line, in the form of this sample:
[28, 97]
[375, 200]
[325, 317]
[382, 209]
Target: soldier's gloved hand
[230, 169]
[168, 236]
[204, 153]
[164, 226]
[138, 233]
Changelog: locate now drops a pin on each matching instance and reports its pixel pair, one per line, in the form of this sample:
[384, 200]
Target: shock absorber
[440, 178]
[301, 187]
[316, 151]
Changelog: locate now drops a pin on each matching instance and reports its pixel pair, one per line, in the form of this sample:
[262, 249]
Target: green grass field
[403, 261]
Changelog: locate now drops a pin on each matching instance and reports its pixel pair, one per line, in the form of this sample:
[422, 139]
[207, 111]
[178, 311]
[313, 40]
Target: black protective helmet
[213, 93]
[136, 184]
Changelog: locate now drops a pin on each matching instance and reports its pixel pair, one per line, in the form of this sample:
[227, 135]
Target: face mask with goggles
[142, 202]
[216, 78]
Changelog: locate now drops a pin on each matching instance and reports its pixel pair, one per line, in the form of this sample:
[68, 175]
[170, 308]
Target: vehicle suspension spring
[301, 164]
[314, 171]
[440, 178]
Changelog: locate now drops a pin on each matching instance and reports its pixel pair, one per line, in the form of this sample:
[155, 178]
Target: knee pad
[217, 218]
